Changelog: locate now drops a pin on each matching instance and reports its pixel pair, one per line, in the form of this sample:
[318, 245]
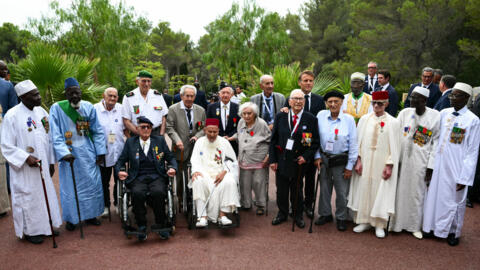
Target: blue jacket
[443, 102]
[8, 96]
[433, 97]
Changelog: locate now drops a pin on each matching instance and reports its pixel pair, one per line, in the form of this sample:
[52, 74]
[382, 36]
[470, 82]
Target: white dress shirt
[145, 145]
[224, 113]
[112, 125]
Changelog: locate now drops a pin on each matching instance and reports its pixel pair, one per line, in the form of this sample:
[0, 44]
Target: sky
[188, 16]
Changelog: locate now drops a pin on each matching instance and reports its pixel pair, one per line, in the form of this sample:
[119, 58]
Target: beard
[76, 106]
[213, 144]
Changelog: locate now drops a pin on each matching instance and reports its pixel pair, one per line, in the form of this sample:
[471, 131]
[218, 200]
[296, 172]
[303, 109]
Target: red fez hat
[212, 122]
[380, 95]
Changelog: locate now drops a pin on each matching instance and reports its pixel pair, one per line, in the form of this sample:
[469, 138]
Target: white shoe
[224, 221]
[361, 227]
[201, 223]
[105, 212]
[418, 235]
[380, 232]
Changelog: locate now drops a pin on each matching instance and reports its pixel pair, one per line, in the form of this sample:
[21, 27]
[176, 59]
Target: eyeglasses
[145, 81]
[378, 103]
[145, 127]
[298, 98]
[454, 96]
[427, 76]
[372, 67]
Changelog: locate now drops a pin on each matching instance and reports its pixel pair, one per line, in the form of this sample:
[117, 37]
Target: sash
[71, 113]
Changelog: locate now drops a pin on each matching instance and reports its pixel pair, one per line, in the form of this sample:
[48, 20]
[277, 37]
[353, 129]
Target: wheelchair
[125, 209]
[190, 208]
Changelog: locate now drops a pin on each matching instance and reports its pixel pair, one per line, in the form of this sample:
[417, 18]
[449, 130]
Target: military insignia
[156, 149]
[157, 108]
[234, 122]
[83, 127]
[136, 109]
[68, 136]
[45, 124]
[457, 135]
[218, 156]
[30, 149]
[406, 130]
[382, 124]
[130, 94]
[422, 136]
[307, 139]
[199, 125]
[159, 156]
[30, 124]
[336, 134]
[218, 112]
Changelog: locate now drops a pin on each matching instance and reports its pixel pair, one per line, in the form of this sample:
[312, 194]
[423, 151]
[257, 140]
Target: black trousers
[310, 171]
[287, 187]
[157, 191]
[106, 173]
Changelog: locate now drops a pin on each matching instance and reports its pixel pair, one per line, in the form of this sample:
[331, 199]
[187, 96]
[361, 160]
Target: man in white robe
[420, 128]
[455, 162]
[214, 170]
[26, 145]
[373, 186]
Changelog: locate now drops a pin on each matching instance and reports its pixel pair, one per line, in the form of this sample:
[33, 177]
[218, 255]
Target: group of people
[391, 173]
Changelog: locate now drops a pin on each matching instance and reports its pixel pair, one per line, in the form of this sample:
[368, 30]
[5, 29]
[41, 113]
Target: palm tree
[48, 68]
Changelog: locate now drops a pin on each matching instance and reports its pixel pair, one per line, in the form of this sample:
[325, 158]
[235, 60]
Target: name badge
[329, 146]
[289, 145]
[111, 138]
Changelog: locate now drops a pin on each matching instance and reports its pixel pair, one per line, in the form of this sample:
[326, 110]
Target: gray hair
[182, 89]
[372, 62]
[229, 87]
[294, 91]
[265, 76]
[247, 105]
[110, 89]
[427, 69]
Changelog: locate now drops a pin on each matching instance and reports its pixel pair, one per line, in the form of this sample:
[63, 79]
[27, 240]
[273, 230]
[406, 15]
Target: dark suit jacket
[443, 102]
[168, 100]
[286, 159]
[365, 87]
[233, 118]
[8, 96]
[316, 104]
[129, 154]
[392, 108]
[433, 97]
[200, 99]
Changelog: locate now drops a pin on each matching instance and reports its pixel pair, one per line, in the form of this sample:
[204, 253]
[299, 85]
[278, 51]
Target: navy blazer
[365, 87]
[168, 100]
[200, 99]
[433, 97]
[443, 102]
[131, 151]
[316, 104]
[286, 159]
[232, 120]
[393, 103]
[8, 96]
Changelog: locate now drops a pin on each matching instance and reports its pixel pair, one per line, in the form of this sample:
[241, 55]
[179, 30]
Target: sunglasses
[145, 127]
[378, 103]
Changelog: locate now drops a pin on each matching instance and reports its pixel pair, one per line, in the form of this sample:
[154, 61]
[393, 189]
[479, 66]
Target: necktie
[225, 118]
[189, 117]
[371, 84]
[295, 117]
[266, 115]
[307, 103]
[455, 113]
[143, 147]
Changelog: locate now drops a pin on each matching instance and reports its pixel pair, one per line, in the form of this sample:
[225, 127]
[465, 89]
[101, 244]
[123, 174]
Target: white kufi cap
[464, 88]
[357, 75]
[24, 87]
[421, 90]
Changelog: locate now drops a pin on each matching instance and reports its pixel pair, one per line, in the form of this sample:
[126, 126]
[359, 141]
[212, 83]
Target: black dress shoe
[341, 225]
[164, 235]
[428, 235]
[323, 220]
[245, 208]
[278, 220]
[469, 203]
[4, 214]
[300, 223]
[142, 233]
[70, 226]
[309, 212]
[451, 240]
[34, 239]
[93, 221]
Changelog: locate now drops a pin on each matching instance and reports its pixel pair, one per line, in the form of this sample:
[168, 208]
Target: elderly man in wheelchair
[147, 176]
[214, 177]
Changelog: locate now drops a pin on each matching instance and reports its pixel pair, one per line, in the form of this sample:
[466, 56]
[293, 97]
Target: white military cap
[421, 90]
[357, 75]
[24, 87]
[464, 88]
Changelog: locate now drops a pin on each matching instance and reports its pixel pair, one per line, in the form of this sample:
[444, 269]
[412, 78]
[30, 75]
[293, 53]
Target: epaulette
[156, 92]
[129, 94]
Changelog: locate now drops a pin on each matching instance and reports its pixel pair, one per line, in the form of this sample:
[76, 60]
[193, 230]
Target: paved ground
[255, 245]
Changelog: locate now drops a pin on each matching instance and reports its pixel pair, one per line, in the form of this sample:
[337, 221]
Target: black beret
[143, 119]
[334, 93]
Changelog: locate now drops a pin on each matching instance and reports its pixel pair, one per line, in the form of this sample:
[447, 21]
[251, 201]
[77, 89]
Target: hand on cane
[32, 161]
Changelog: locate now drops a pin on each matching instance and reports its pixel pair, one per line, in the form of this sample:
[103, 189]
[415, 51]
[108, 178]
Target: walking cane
[299, 177]
[108, 188]
[315, 198]
[180, 167]
[76, 200]
[206, 203]
[388, 225]
[48, 205]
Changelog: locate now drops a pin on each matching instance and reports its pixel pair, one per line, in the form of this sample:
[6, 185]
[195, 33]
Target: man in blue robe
[78, 137]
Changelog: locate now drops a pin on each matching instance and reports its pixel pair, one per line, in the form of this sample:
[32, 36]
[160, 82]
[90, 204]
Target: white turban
[357, 75]
[24, 87]
[422, 91]
[464, 88]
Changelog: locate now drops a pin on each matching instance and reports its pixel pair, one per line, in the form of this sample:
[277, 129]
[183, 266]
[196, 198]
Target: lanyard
[266, 106]
[290, 125]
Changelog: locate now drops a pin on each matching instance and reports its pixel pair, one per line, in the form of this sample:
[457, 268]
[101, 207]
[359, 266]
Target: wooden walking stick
[76, 200]
[299, 178]
[48, 205]
[315, 199]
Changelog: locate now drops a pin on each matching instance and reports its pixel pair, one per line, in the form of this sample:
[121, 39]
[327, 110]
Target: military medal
[405, 131]
[218, 111]
[45, 124]
[136, 109]
[29, 124]
[157, 108]
[199, 125]
[68, 136]
[336, 134]
[156, 149]
[30, 149]
[252, 133]
[234, 121]
[382, 124]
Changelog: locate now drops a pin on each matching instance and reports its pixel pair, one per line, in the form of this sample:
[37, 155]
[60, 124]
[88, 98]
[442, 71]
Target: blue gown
[87, 172]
